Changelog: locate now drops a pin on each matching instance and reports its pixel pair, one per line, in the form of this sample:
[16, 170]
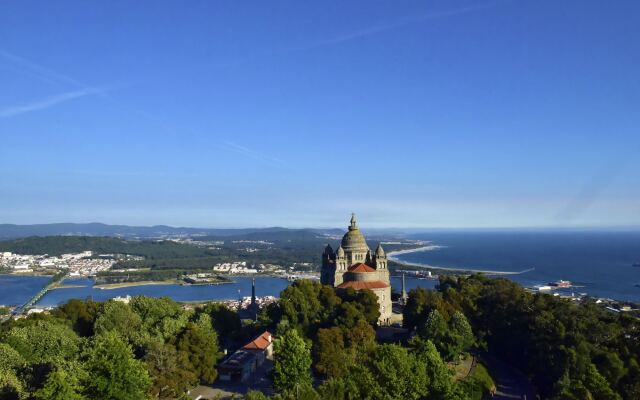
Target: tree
[170, 371]
[365, 300]
[200, 344]
[598, 386]
[332, 360]
[301, 392]
[329, 300]
[333, 389]
[10, 359]
[60, 386]
[113, 372]
[44, 341]
[160, 317]
[361, 383]
[300, 304]
[348, 314]
[11, 387]
[461, 333]
[438, 373]
[255, 395]
[435, 329]
[225, 320]
[450, 339]
[420, 304]
[120, 317]
[399, 374]
[610, 366]
[360, 341]
[82, 315]
[292, 362]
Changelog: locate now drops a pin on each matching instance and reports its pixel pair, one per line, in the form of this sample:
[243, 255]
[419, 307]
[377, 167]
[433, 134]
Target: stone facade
[354, 265]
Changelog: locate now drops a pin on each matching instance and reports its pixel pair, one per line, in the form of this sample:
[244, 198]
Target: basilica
[353, 265]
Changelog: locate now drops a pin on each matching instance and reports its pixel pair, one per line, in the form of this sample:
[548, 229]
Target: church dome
[353, 240]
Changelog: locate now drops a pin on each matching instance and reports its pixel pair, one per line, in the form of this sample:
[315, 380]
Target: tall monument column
[404, 297]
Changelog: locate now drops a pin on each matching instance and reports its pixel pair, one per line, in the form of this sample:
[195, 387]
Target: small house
[243, 363]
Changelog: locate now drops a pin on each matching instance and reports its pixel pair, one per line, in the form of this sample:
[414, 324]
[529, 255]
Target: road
[510, 383]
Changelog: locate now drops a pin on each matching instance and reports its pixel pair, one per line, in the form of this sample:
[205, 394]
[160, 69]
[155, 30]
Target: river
[15, 290]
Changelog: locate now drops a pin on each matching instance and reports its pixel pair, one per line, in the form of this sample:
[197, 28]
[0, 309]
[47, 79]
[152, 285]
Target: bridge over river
[52, 284]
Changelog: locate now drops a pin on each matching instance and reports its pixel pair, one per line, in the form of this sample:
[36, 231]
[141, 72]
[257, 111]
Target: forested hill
[56, 245]
[168, 254]
[10, 231]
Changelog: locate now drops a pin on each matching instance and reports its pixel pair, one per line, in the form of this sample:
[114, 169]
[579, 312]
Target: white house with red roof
[241, 365]
[262, 345]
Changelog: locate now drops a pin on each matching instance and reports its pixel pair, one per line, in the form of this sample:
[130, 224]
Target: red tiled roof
[357, 285]
[259, 343]
[361, 268]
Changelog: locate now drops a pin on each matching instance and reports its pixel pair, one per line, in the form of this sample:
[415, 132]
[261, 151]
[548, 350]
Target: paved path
[510, 383]
[465, 367]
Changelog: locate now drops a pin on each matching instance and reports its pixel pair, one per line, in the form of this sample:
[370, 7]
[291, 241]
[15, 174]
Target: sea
[599, 264]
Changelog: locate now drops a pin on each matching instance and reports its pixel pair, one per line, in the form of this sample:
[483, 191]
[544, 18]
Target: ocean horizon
[598, 263]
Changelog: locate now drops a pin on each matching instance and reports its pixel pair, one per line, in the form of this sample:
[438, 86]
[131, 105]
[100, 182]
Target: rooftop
[363, 285]
[260, 343]
[238, 359]
[361, 268]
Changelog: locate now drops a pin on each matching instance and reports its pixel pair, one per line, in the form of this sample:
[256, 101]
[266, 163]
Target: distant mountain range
[11, 231]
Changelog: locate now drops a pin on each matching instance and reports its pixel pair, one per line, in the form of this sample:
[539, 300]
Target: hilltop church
[353, 265]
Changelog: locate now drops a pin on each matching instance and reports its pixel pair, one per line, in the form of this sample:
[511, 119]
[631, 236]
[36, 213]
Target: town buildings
[84, 263]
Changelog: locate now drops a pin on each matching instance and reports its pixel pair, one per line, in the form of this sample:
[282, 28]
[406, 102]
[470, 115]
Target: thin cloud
[252, 153]
[50, 76]
[41, 72]
[395, 25]
[45, 103]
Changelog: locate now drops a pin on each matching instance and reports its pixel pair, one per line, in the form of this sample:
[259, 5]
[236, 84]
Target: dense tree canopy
[200, 344]
[158, 348]
[292, 362]
[340, 327]
[113, 371]
[60, 386]
[109, 350]
[569, 350]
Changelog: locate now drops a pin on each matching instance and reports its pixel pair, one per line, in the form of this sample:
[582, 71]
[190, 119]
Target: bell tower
[380, 259]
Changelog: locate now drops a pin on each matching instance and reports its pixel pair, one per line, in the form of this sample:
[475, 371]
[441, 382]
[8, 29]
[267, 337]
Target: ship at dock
[560, 284]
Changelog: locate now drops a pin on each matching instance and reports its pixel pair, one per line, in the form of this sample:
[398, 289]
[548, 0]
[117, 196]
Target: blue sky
[410, 113]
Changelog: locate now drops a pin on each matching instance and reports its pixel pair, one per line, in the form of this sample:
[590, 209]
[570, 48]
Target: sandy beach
[108, 286]
[431, 247]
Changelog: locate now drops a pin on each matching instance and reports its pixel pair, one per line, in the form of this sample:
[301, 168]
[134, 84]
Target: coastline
[392, 256]
[109, 286]
[63, 286]
[430, 247]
